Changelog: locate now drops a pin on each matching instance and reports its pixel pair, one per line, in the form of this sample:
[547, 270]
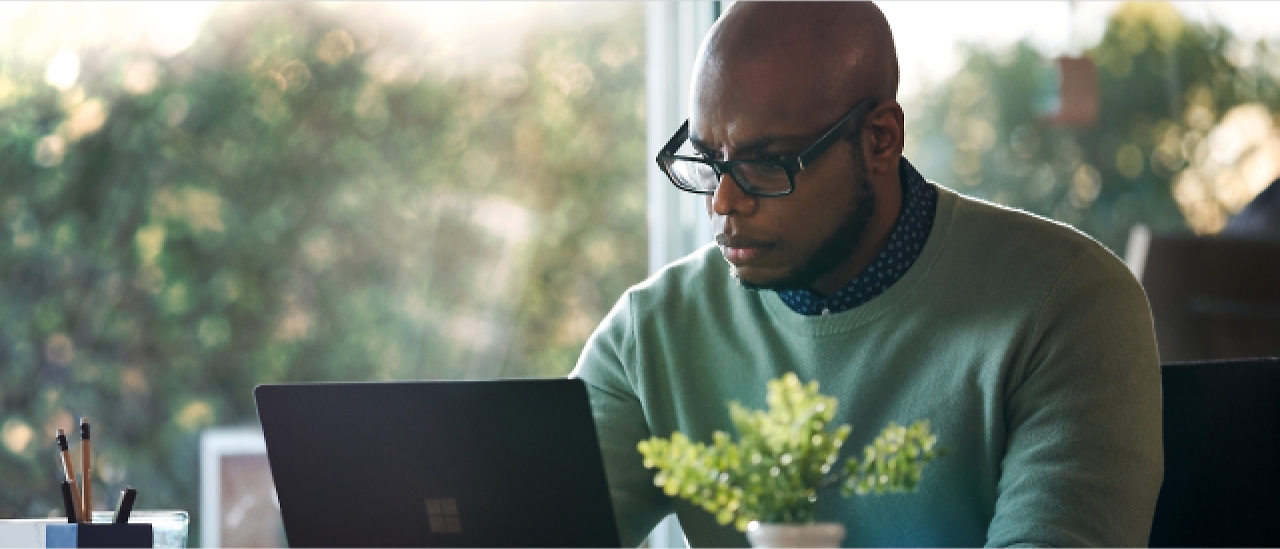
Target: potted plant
[767, 483]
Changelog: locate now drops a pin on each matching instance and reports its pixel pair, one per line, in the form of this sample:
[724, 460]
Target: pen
[70, 471]
[68, 502]
[86, 460]
[125, 505]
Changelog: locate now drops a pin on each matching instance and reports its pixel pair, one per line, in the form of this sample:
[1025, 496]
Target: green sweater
[1028, 346]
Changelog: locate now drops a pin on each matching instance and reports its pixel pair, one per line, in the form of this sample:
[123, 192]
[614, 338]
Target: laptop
[504, 463]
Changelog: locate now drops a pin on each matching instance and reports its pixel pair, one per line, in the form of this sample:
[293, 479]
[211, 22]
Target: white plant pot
[818, 534]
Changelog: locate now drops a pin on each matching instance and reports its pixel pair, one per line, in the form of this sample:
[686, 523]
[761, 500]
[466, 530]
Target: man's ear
[883, 147]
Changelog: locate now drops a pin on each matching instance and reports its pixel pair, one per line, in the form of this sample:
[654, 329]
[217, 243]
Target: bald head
[816, 53]
[844, 44]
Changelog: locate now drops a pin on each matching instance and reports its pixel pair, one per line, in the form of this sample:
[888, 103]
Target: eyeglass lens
[694, 175]
[753, 178]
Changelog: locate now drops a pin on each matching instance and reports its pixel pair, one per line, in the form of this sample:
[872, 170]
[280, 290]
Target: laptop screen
[506, 463]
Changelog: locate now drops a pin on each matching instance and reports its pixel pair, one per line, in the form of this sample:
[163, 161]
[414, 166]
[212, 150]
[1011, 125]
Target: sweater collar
[906, 241]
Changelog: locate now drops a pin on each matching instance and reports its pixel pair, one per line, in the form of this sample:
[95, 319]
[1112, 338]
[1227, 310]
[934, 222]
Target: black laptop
[506, 463]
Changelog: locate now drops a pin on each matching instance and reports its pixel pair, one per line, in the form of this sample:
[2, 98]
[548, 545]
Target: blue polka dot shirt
[906, 241]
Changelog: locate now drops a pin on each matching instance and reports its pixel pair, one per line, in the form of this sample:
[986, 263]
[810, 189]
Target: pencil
[69, 503]
[86, 461]
[69, 470]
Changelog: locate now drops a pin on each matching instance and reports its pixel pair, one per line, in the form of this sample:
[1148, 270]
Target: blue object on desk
[97, 535]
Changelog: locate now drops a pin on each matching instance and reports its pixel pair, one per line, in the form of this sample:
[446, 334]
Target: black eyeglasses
[757, 177]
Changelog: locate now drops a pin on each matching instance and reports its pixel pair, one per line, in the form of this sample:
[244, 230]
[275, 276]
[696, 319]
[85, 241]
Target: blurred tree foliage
[1163, 82]
[287, 201]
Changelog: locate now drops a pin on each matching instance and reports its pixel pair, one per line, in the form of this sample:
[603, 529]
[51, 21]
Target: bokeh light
[1238, 158]
[16, 435]
[63, 70]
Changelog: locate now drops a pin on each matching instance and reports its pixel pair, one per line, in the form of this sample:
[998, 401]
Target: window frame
[677, 223]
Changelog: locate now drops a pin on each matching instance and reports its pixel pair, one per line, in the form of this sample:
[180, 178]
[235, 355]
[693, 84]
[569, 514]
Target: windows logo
[442, 515]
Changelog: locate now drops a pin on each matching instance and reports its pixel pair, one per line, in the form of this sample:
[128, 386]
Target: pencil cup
[97, 535]
[169, 528]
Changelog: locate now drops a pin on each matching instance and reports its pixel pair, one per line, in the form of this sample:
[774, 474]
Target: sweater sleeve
[609, 355]
[1084, 458]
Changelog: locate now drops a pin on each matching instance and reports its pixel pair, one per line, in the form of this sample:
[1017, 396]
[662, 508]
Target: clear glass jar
[168, 527]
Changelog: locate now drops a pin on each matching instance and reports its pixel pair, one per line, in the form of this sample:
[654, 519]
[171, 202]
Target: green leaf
[789, 450]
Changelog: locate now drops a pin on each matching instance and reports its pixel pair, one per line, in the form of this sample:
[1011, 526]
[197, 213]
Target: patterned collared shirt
[906, 241]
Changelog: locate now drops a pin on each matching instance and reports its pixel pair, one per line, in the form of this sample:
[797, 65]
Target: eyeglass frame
[792, 165]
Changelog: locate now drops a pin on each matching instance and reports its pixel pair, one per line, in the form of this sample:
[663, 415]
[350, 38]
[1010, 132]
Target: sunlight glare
[64, 70]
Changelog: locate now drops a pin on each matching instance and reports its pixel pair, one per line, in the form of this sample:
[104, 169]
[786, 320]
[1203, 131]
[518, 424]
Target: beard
[835, 249]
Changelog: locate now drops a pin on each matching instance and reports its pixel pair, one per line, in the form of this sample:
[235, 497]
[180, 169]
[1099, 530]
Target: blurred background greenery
[305, 192]
[1186, 133]
[291, 198]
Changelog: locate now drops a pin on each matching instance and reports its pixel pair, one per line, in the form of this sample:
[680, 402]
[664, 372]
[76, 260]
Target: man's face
[794, 241]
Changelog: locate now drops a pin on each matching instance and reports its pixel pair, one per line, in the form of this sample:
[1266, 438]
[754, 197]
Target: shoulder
[1020, 268]
[1019, 242]
[677, 292]
[664, 306]
[694, 277]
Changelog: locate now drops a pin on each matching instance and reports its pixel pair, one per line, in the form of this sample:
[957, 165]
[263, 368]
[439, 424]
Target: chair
[1222, 455]
[1212, 297]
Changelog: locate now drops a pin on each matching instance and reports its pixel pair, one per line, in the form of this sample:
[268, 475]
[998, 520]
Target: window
[199, 198]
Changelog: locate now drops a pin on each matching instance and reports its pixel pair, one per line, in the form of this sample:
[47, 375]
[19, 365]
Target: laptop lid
[504, 463]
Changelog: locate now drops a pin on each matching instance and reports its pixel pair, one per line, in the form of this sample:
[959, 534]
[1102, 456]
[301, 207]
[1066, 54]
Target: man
[1027, 345]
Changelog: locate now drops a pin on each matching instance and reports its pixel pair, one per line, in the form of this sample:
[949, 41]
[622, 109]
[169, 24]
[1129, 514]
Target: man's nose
[730, 199]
